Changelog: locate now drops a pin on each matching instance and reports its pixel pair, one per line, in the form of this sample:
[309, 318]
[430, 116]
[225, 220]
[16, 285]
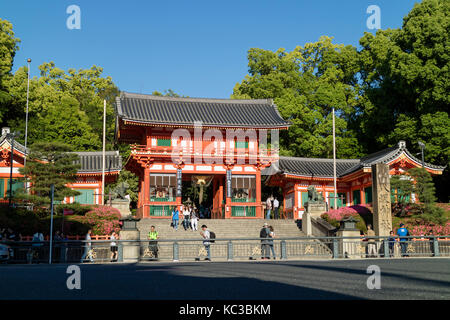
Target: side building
[354, 177]
[89, 176]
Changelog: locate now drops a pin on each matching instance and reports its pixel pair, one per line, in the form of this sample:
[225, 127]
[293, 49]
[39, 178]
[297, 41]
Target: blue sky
[194, 47]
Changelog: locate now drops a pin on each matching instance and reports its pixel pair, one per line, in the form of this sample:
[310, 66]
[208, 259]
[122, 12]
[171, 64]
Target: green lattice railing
[161, 211]
[243, 211]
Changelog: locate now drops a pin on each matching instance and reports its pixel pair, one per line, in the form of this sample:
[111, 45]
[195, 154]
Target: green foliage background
[394, 87]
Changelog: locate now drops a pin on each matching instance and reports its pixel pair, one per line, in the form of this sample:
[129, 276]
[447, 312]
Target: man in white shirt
[268, 208]
[205, 234]
[276, 205]
[87, 247]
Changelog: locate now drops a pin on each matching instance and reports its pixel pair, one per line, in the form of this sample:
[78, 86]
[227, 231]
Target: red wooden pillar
[259, 213]
[215, 194]
[297, 195]
[146, 211]
[221, 192]
[227, 199]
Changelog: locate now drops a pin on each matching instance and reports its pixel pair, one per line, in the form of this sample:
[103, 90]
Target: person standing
[403, 232]
[194, 219]
[371, 244]
[272, 236]
[206, 235]
[431, 240]
[264, 234]
[276, 205]
[114, 248]
[268, 208]
[175, 218]
[186, 216]
[153, 236]
[87, 247]
[38, 243]
[391, 240]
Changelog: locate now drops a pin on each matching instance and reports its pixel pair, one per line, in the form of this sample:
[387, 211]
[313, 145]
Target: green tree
[405, 76]
[62, 101]
[305, 85]
[8, 48]
[49, 163]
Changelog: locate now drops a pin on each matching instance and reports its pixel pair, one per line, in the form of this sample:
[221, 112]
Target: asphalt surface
[407, 278]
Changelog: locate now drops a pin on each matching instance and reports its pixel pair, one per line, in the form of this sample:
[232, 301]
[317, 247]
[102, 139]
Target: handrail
[414, 238]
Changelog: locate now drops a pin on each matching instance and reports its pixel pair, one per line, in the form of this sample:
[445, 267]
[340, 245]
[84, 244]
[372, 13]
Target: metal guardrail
[71, 251]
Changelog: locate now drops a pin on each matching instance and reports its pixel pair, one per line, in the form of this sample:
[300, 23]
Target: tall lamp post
[26, 116]
[422, 147]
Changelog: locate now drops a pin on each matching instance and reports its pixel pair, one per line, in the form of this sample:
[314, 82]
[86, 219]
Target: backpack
[263, 233]
[212, 235]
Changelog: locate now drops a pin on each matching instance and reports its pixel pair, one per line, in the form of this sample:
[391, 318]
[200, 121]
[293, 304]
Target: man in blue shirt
[175, 218]
[402, 233]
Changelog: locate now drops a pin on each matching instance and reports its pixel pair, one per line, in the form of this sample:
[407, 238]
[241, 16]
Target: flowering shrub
[360, 213]
[103, 219]
[424, 229]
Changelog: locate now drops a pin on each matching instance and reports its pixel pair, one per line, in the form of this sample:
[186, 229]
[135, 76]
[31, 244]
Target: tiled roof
[319, 167]
[314, 167]
[151, 109]
[92, 162]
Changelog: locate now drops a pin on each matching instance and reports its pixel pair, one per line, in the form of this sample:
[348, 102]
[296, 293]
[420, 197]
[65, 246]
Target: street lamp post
[26, 116]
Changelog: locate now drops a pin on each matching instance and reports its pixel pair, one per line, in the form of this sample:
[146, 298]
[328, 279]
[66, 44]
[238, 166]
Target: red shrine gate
[208, 141]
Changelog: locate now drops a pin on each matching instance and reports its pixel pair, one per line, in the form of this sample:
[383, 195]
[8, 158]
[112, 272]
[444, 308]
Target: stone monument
[381, 197]
[315, 205]
[120, 201]
[350, 248]
[130, 249]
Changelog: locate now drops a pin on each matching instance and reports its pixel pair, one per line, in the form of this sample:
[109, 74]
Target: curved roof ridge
[318, 159]
[194, 99]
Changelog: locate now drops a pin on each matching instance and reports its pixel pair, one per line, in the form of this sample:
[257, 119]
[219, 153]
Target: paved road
[333, 279]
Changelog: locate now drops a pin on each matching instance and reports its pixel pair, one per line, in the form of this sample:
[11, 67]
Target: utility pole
[104, 152]
[26, 116]
[334, 162]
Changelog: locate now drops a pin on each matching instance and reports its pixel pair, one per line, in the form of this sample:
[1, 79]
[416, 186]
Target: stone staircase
[226, 229]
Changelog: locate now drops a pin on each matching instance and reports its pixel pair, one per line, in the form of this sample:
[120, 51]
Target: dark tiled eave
[92, 162]
[170, 111]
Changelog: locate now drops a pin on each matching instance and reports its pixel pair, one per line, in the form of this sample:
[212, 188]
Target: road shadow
[152, 282]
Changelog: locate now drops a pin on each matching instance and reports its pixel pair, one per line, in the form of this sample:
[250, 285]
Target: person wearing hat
[403, 232]
[206, 235]
[264, 234]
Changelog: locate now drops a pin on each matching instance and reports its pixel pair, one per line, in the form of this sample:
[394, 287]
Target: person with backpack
[264, 235]
[206, 234]
[403, 232]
